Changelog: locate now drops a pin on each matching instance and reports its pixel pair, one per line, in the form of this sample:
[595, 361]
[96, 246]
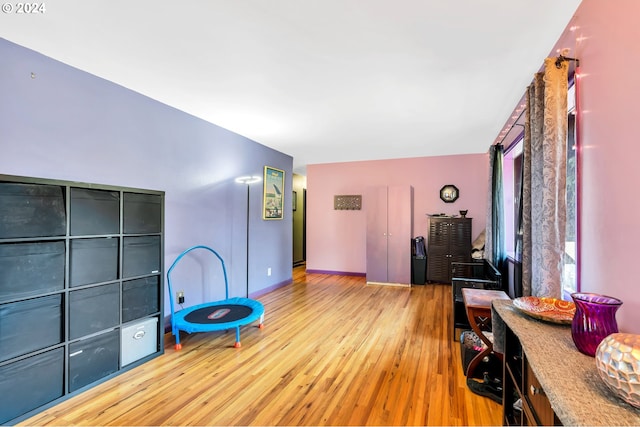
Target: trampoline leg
[178, 346]
[261, 325]
[237, 344]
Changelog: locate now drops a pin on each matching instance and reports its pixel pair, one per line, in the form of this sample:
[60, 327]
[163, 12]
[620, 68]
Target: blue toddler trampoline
[213, 316]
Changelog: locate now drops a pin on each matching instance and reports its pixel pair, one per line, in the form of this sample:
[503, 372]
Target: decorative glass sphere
[618, 363]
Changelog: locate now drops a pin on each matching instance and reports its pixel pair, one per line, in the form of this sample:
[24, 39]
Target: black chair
[480, 274]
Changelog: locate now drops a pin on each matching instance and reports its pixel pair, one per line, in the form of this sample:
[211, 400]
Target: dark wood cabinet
[80, 265]
[449, 240]
[525, 402]
[546, 380]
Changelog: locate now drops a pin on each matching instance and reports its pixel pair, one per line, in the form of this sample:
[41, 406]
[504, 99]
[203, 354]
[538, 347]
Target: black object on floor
[470, 346]
[491, 388]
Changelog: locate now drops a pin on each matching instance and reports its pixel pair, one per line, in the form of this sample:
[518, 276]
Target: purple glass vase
[595, 319]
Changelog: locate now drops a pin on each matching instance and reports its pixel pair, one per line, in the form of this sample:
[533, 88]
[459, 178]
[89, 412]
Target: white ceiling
[321, 80]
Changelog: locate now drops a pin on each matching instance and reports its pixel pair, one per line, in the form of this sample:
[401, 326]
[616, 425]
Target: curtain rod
[559, 60]
[515, 123]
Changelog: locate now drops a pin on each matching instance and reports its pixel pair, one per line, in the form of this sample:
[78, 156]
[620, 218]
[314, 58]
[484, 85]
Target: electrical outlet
[180, 297]
[269, 271]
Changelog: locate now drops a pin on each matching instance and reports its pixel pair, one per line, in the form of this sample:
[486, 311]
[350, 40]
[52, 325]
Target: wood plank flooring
[334, 351]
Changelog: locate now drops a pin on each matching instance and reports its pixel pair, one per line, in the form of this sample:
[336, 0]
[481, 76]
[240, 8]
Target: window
[569, 271]
[512, 177]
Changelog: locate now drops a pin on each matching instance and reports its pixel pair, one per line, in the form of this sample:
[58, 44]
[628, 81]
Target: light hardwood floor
[334, 351]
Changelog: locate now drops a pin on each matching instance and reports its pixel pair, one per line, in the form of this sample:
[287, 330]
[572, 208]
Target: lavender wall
[68, 124]
[336, 240]
[605, 39]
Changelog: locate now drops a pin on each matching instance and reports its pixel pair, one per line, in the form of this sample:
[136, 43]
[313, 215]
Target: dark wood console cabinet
[449, 240]
[521, 385]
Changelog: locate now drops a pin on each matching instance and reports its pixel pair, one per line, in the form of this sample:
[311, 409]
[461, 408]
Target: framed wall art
[273, 205]
[347, 202]
[449, 193]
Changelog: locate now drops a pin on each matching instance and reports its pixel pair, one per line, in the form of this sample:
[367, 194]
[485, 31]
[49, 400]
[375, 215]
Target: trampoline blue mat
[180, 319]
[223, 313]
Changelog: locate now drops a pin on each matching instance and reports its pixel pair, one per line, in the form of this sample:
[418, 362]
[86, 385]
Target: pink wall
[336, 240]
[605, 40]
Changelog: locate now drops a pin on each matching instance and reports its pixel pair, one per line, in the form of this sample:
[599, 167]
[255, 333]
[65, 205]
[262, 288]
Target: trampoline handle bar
[224, 271]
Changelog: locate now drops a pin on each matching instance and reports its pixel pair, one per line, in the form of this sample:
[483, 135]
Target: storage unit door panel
[94, 212]
[30, 325]
[93, 309]
[93, 359]
[93, 261]
[376, 206]
[31, 210]
[438, 233]
[438, 265]
[142, 213]
[140, 297]
[461, 237]
[30, 383]
[29, 269]
[141, 256]
[400, 213]
[139, 340]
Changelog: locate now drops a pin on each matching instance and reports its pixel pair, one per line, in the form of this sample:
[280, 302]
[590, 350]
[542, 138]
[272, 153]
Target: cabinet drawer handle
[534, 390]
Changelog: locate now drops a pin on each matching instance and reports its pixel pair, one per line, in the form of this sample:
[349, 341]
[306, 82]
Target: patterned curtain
[494, 250]
[544, 182]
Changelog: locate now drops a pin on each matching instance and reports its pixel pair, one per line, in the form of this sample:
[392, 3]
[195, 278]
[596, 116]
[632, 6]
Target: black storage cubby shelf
[80, 268]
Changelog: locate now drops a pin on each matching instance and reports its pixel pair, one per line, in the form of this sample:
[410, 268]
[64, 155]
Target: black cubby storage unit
[80, 288]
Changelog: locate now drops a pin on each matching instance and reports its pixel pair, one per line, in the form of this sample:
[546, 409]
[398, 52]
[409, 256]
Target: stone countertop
[569, 378]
